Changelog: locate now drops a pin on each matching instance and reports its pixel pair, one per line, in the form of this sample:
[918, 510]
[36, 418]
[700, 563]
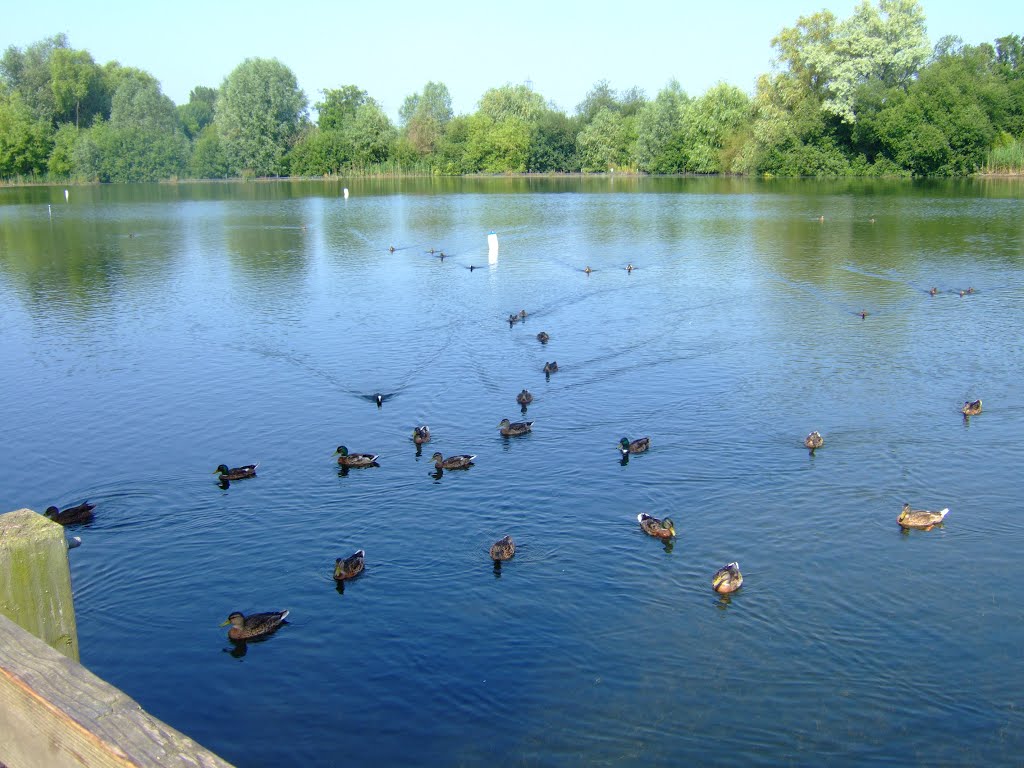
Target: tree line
[861, 96]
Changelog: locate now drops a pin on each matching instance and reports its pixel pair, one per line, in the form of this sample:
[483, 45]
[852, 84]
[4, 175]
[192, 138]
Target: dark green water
[150, 333]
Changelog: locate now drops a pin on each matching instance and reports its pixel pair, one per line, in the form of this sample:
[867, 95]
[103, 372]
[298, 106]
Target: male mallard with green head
[727, 579]
[514, 428]
[971, 408]
[503, 549]
[639, 445]
[350, 567]
[236, 473]
[421, 434]
[463, 461]
[814, 440]
[253, 626]
[81, 513]
[347, 459]
[524, 397]
[920, 518]
[652, 526]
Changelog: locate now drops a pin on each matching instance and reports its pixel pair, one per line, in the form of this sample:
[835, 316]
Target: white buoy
[345, 192]
[49, 210]
[65, 196]
[492, 248]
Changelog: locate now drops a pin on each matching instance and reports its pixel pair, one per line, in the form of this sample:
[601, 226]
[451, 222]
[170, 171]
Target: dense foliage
[865, 95]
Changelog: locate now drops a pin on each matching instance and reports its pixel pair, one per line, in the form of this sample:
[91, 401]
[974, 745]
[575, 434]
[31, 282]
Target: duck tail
[640, 517]
[943, 512]
[284, 614]
[360, 553]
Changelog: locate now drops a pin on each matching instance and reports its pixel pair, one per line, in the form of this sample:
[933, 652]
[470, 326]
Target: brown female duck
[727, 579]
[81, 513]
[971, 408]
[920, 518]
[255, 625]
[503, 549]
[463, 461]
[350, 567]
[814, 440]
[514, 428]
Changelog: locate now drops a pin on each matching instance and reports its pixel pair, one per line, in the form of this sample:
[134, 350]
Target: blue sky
[390, 49]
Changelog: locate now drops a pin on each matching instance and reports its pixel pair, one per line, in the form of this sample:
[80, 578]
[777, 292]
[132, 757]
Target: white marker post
[492, 248]
[345, 192]
[66, 196]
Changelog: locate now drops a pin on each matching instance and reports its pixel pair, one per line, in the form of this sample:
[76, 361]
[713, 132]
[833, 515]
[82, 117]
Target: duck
[933, 291]
[522, 314]
[503, 549]
[512, 320]
[630, 268]
[862, 314]
[550, 368]
[463, 461]
[82, 513]
[347, 459]
[421, 434]
[513, 428]
[727, 579]
[255, 625]
[971, 408]
[814, 440]
[350, 567]
[920, 518]
[639, 445]
[652, 526]
[391, 249]
[543, 337]
[236, 473]
[378, 398]
[524, 397]
[587, 269]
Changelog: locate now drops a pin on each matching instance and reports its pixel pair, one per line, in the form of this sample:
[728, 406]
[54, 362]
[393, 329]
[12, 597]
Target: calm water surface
[151, 333]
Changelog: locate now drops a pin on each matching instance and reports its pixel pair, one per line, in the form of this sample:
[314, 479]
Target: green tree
[605, 142]
[371, 134]
[659, 137]
[424, 117]
[76, 82]
[553, 143]
[25, 139]
[600, 97]
[208, 160]
[258, 116]
[339, 106]
[139, 103]
[28, 72]
[710, 123]
[60, 163]
[198, 113]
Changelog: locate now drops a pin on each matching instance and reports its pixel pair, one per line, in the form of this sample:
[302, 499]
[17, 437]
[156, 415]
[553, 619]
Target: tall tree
[198, 112]
[258, 116]
[424, 117]
[74, 78]
[339, 106]
[659, 139]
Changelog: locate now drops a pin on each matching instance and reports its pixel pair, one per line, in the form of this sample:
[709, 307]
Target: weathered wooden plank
[35, 580]
[54, 713]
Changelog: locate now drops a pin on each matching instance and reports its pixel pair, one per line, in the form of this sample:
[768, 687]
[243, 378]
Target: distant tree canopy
[864, 95]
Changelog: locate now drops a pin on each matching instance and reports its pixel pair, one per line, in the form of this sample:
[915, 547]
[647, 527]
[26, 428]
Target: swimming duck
[391, 249]
[862, 314]
[652, 526]
[543, 337]
[524, 397]
[630, 268]
[347, 459]
[463, 461]
[971, 409]
[550, 368]
[512, 320]
[920, 518]
[814, 440]
[511, 429]
[236, 473]
[253, 626]
[421, 435]
[349, 567]
[378, 398]
[639, 445]
[71, 515]
[503, 549]
[588, 270]
[522, 314]
[934, 291]
[727, 578]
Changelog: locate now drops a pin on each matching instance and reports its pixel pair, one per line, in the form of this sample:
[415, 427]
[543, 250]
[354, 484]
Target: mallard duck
[513, 428]
[588, 270]
[71, 515]
[550, 368]
[503, 549]
[524, 397]
[814, 440]
[630, 268]
[512, 320]
[652, 526]
[350, 567]
[463, 461]
[522, 314]
[421, 435]
[639, 445]
[253, 626]
[862, 314]
[971, 409]
[391, 249]
[378, 398]
[920, 518]
[543, 337]
[236, 473]
[727, 578]
[933, 291]
[347, 459]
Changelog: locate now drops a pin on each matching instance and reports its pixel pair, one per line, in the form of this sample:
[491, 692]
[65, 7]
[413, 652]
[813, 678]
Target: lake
[152, 332]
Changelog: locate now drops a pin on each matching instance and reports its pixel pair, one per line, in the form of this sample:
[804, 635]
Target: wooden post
[54, 713]
[35, 580]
